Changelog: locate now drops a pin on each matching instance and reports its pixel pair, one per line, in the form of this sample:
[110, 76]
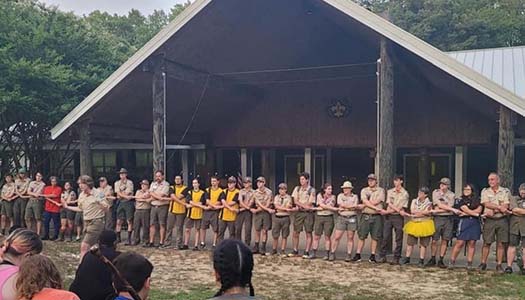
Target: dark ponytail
[233, 261]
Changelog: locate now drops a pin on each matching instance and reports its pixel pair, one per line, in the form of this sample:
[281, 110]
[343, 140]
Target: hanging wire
[196, 109]
[296, 69]
[307, 80]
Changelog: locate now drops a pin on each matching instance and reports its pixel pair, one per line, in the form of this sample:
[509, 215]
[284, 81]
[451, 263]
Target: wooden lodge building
[277, 87]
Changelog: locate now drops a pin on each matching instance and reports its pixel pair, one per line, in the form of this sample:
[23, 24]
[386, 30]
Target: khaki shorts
[158, 215]
[370, 224]
[210, 219]
[304, 221]
[423, 241]
[346, 223]
[496, 230]
[34, 210]
[280, 226]
[516, 239]
[190, 223]
[7, 209]
[262, 221]
[125, 210]
[92, 230]
[324, 225]
[444, 226]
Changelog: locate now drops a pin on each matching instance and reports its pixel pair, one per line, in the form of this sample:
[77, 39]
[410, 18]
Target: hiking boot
[148, 245]
[306, 255]
[202, 246]
[356, 258]
[508, 270]
[274, 252]
[294, 253]
[313, 255]
[394, 261]
[431, 262]
[372, 259]
[421, 263]
[331, 257]
[327, 256]
[382, 260]
[196, 248]
[405, 261]
[184, 247]
[164, 246]
[499, 269]
[470, 267]
[451, 265]
[441, 264]
[255, 249]
[482, 267]
[348, 258]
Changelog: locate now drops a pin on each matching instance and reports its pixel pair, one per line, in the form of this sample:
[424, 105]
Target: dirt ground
[190, 274]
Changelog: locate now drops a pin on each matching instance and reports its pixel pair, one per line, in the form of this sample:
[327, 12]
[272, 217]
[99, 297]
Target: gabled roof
[505, 66]
[406, 40]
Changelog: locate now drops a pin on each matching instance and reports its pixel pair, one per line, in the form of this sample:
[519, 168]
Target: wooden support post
[185, 167]
[460, 169]
[308, 161]
[219, 161]
[385, 159]
[329, 165]
[244, 162]
[424, 169]
[86, 158]
[506, 147]
[159, 119]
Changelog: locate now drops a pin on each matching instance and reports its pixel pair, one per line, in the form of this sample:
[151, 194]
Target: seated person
[136, 270]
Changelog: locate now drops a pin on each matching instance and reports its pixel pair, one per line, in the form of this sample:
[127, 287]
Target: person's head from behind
[36, 273]
[233, 265]
[136, 269]
[20, 244]
[107, 239]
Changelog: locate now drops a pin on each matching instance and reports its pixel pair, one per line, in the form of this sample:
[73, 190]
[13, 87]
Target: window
[143, 159]
[104, 162]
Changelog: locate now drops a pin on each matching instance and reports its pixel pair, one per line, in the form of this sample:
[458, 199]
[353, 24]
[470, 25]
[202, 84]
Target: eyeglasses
[467, 189]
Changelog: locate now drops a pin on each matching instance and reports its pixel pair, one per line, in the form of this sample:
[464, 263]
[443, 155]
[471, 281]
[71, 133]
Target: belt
[372, 215]
[157, 206]
[348, 217]
[496, 218]
[439, 216]
[470, 218]
[95, 219]
[281, 216]
[33, 199]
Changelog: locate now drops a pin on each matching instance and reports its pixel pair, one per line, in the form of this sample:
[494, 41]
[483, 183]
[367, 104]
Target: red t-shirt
[52, 190]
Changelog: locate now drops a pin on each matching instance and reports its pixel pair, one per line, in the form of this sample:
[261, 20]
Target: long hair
[20, 242]
[36, 273]
[323, 189]
[472, 188]
[233, 261]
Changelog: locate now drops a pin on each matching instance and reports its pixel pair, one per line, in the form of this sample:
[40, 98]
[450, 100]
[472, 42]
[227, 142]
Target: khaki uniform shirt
[36, 187]
[517, 223]
[245, 196]
[398, 199]
[304, 195]
[141, 204]
[447, 198]
[22, 185]
[420, 206]
[92, 205]
[501, 196]
[8, 190]
[285, 201]
[263, 197]
[108, 192]
[375, 194]
[349, 200]
[330, 201]
[162, 188]
[124, 188]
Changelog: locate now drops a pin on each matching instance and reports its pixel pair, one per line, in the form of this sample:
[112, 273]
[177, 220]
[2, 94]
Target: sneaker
[312, 255]
[482, 267]
[431, 263]
[470, 267]
[394, 261]
[372, 259]
[451, 264]
[148, 245]
[356, 258]
[382, 260]
[331, 257]
[164, 246]
[441, 264]
[499, 269]
[274, 252]
[196, 248]
[348, 258]
[306, 255]
[294, 253]
[202, 246]
[184, 247]
[77, 239]
[327, 256]
[405, 261]
[508, 270]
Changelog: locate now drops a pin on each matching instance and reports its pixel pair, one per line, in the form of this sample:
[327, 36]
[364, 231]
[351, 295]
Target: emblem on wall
[339, 108]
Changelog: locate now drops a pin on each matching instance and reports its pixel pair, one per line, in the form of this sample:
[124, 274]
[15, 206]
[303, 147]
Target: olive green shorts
[304, 221]
[516, 239]
[126, 210]
[444, 228]
[158, 215]
[370, 224]
[34, 210]
[190, 223]
[262, 221]
[496, 230]
[348, 223]
[63, 213]
[324, 225]
[92, 230]
[423, 241]
[210, 219]
[7, 209]
[280, 226]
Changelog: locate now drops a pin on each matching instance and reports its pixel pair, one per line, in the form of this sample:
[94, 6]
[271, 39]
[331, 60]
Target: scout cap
[283, 186]
[347, 185]
[123, 170]
[372, 176]
[522, 186]
[445, 181]
[247, 179]
[22, 171]
[144, 181]
[425, 190]
[261, 179]
[232, 179]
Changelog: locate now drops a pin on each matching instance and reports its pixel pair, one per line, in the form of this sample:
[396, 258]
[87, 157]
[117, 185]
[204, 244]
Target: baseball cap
[144, 181]
[247, 179]
[261, 178]
[372, 176]
[283, 186]
[232, 179]
[445, 181]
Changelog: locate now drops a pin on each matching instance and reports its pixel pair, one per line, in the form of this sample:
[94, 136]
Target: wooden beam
[506, 147]
[385, 117]
[86, 158]
[308, 161]
[424, 169]
[244, 162]
[460, 169]
[159, 119]
[185, 167]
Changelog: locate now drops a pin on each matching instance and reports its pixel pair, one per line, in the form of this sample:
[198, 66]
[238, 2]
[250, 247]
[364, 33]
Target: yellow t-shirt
[175, 207]
[214, 195]
[195, 213]
[232, 198]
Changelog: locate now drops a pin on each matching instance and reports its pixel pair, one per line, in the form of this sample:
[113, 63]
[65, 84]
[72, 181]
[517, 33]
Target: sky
[81, 7]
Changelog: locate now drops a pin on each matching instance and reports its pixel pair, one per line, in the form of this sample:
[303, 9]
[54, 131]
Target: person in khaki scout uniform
[177, 212]
[35, 205]
[228, 214]
[211, 214]
[142, 213]
[304, 198]
[262, 219]
[195, 205]
[67, 225]
[8, 195]
[496, 201]
[443, 200]
[93, 207]
[517, 229]
[347, 203]
[20, 202]
[397, 202]
[244, 217]
[125, 207]
[108, 192]
[324, 220]
[371, 221]
[159, 191]
[283, 207]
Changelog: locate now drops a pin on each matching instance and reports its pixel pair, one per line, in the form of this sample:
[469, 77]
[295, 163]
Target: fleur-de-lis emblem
[338, 109]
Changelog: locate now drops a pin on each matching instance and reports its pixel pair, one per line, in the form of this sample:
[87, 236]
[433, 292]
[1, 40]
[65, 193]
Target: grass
[498, 286]
[197, 293]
